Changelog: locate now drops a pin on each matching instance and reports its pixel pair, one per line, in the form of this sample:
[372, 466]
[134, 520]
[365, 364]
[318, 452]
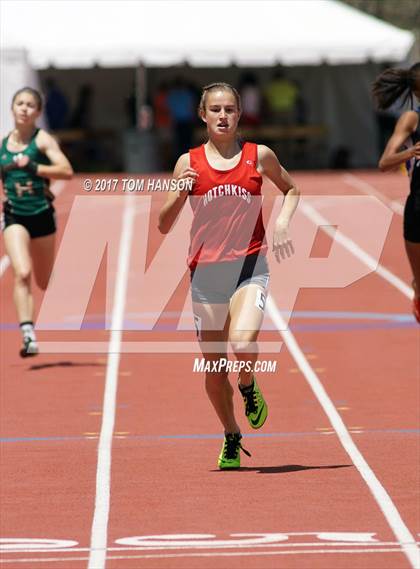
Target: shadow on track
[64, 364]
[283, 469]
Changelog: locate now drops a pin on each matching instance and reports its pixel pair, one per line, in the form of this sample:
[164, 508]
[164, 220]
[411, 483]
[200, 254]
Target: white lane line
[368, 189]
[406, 540]
[98, 541]
[206, 554]
[357, 251]
[4, 264]
[56, 188]
[309, 544]
[144, 347]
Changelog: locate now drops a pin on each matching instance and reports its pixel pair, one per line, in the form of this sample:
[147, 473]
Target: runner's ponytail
[395, 83]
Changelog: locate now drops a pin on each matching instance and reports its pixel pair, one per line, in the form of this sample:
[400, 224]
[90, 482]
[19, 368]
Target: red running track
[299, 502]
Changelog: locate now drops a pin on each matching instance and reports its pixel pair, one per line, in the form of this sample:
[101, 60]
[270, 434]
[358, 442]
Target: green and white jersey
[26, 193]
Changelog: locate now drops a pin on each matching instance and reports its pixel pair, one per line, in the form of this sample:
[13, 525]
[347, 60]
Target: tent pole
[141, 90]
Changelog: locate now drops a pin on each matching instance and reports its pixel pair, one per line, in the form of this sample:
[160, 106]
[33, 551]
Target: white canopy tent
[332, 49]
[81, 33]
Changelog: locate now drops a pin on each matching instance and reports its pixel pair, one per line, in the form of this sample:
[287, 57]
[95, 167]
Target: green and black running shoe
[230, 454]
[256, 409]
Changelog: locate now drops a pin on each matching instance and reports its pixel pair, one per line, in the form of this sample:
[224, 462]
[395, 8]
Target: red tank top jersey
[226, 204]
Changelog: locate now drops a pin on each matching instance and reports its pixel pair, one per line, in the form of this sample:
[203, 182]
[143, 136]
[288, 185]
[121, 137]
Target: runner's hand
[188, 174]
[282, 244]
[21, 160]
[416, 150]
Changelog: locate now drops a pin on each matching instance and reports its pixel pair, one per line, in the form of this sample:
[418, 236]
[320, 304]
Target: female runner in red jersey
[227, 256]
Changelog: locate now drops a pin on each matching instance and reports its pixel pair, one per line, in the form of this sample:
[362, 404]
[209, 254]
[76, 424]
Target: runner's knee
[243, 344]
[22, 275]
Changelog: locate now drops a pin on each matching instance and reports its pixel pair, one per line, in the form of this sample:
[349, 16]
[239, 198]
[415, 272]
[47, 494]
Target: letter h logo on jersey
[21, 188]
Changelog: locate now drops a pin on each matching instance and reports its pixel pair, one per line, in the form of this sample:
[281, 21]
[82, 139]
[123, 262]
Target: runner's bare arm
[176, 199]
[393, 156]
[59, 169]
[271, 167]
